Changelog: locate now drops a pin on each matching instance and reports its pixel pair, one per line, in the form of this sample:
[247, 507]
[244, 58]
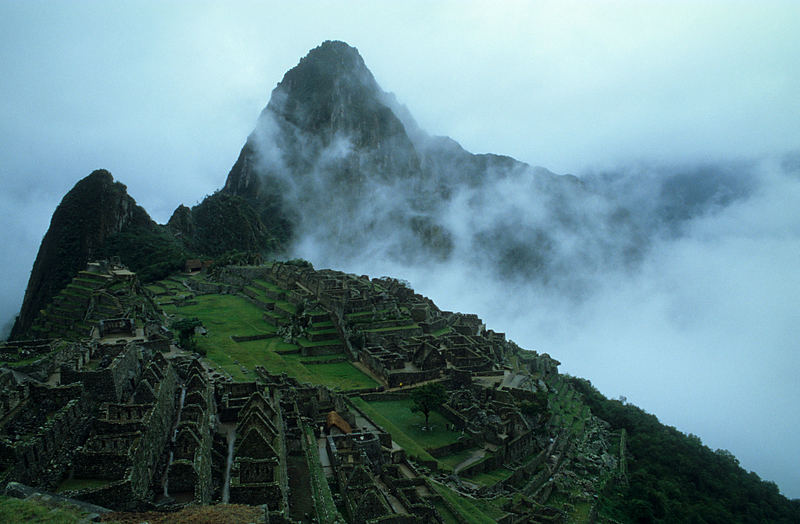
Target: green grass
[570, 409]
[170, 285]
[362, 315]
[155, 289]
[286, 306]
[16, 510]
[76, 484]
[412, 423]
[581, 513]
[323, 500]
[490, 478]
[276, 316]
[406, 428]
[24, 362]
[342, 376]
[443, 331]
[269, 285]
[391, 328]
[470, 510]
[319, 330]
[226, 315]
[256, 290]
[454, 459]
[81, 293]
[304, 342]
[405, 441]
[301, 358]
[448, 516]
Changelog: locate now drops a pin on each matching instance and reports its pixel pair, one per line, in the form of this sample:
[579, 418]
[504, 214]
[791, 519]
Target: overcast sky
[163, 94]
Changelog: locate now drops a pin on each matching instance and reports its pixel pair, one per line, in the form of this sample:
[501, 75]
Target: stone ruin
[109, 413]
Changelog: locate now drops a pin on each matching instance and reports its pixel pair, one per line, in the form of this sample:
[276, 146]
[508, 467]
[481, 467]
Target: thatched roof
[334, 419]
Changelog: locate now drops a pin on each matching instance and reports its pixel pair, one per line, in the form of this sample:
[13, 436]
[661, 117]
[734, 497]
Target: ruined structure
[107, 411]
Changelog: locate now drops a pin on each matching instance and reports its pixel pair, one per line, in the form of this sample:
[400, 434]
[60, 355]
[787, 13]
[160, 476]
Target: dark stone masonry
[106, 410]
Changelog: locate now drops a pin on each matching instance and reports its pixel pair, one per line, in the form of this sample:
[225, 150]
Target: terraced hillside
[298, 394]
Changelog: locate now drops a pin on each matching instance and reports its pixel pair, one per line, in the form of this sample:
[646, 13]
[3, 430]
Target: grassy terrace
[286, 306]
[442, 331]
[256, 290]
[276, 317]
[391, 328]
[448, 516]
[155, 289]
[568, 407]
[316, 329]
[365, 316]
[227, 315]
[16, 510]
[308, 344]
[268, 285]
[454, 459]
[490, 478]
[24, 362]
[406, 428]
[478, 511]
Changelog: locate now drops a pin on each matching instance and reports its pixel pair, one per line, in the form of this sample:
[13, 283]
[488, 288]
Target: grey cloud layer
[672, 285]
[702, 331]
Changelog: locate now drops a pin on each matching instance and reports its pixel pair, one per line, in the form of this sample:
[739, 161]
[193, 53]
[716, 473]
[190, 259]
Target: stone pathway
[324, 459]
[397, 506]
[472, 459]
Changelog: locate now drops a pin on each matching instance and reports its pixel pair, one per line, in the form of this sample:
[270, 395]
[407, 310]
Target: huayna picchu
[193, 372]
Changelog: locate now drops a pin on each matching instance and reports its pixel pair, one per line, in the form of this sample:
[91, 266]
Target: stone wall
[240, 276]
[449, 449]
[38, 459]
[488, 464]
[115, 495]
[194, 441]
[115, 382]
[404, 378]
[50, 363]
[146, 451]
[106, 465]
[207, 288]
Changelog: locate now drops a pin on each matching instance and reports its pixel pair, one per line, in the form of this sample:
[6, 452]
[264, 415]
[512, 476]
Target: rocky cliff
[335, 163]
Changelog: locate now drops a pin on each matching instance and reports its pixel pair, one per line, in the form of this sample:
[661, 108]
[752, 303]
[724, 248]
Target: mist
[685, 303]
[672, 285]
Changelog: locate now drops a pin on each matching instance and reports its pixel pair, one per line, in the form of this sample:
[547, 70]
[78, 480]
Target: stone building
[258, 473]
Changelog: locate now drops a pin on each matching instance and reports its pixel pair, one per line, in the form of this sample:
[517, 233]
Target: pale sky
[164, 94]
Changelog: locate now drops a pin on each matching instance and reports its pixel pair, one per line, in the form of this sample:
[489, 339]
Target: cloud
[163, 95]
[699, 329]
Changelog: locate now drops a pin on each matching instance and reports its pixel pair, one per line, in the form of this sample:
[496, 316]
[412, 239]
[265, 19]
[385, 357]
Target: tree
[185, 328]
[427, 398]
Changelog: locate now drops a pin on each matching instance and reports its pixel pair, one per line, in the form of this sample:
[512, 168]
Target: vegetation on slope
[226, 222]
[226, 316]
[38, 511]
[675, 478]
[92, 211]
[152, 253]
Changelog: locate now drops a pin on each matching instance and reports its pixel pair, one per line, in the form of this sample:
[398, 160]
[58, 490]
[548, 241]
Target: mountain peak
[96, 208]
[336, 53]
[331, 74]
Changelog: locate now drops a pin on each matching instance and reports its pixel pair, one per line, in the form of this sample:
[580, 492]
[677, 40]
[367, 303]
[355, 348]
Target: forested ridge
[673, 477]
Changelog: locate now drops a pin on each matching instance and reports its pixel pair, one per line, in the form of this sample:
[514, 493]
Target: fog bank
[701, 331]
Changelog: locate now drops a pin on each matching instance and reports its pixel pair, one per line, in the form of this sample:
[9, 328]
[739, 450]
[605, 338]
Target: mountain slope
[336, 168]
[90, 213]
